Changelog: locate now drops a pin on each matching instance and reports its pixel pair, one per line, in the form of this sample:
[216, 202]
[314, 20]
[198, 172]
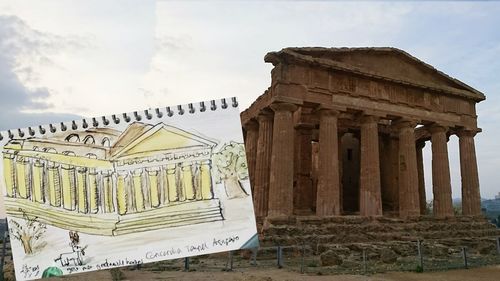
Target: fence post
[365, 266]
[279, 253]
[420, 255]
[4, 252]
[464, 253]
[253, 258]
[498, 245]
[229, 265]
[302, 258]
[186, 264]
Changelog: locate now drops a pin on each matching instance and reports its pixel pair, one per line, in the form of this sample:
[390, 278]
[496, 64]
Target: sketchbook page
[127, 189]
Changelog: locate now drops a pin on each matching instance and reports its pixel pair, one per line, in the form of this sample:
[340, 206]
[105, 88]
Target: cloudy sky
[60, 60]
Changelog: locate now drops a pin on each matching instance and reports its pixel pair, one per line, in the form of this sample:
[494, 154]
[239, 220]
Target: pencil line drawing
[103, 181]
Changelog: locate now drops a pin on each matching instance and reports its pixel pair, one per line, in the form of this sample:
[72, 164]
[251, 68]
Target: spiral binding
[115, 118]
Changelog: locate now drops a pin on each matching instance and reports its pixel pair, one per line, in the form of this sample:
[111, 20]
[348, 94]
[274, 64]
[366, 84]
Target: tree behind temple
[231, 168]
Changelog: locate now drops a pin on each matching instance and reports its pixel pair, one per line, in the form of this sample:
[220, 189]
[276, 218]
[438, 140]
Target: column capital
[323, 111]
[404, 123]
[437, 128]
[283, 106]
[304, 127]
[369, 119]
[251, 125]
[265, 115]
[420, 144]
[467, 132]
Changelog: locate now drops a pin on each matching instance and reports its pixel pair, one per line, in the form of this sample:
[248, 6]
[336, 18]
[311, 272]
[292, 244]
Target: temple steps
[319, 235]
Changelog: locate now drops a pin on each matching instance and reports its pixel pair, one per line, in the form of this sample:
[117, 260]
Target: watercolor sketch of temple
[109, 182]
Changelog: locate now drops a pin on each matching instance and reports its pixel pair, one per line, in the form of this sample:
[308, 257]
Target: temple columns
[281, 178]
[421, 179]
[328, 190]
[441, 183]
[370, 199]
[262, 163]
[251, 142]
[303, 191]
[408, 173]
[471, 199]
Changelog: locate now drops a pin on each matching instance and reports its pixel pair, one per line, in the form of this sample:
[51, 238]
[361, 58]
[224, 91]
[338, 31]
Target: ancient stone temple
[340, 131]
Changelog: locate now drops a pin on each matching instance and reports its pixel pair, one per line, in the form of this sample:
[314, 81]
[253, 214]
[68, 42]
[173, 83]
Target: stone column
[328, 192]
[441, 183]
[471, 198]
[281, 179]
[408, 173]
[421, 179]
[303, 195]
[370, 199]
[251, 139]
[263, 163]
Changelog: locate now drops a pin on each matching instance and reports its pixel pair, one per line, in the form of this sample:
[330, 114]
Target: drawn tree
[231, 168]
[29, 233]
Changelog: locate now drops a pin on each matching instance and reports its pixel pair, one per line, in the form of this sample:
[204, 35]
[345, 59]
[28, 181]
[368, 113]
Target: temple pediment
[160, 137]
[380, 63]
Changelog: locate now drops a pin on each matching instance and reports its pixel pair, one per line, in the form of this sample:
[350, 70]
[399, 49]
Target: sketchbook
[127, 189]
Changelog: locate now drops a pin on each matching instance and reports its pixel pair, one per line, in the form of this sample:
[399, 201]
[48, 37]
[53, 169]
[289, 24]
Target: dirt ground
[256, 274]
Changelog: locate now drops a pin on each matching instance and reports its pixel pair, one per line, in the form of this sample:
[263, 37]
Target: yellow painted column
[187, 181]
[94, 192]
[138, 192]
[206, 180]
[197, 181]
[53, 182]
[9, 174]
[172, 183]
[107, 182]
[81, 181]
[121, 193]
[154, 188]
[23, 174]
[38, 185]
[68, 187]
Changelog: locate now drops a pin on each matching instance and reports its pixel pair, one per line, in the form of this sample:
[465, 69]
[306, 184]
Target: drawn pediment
[154, 139]
[390, 63]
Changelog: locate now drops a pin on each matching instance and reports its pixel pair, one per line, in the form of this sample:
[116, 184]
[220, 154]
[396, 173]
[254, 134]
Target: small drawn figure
[74, 258]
